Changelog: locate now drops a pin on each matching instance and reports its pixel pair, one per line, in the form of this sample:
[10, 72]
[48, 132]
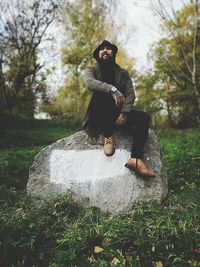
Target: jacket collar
[117, 73]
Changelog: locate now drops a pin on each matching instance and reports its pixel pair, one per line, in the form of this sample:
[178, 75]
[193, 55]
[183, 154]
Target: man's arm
[128, 103]
[95, 85]
[129, 96]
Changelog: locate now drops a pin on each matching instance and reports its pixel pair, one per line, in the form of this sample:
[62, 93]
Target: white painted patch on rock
[88, 165]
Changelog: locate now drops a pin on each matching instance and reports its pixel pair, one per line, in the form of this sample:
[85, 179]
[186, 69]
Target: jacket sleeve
[129, 95]
[93, 84]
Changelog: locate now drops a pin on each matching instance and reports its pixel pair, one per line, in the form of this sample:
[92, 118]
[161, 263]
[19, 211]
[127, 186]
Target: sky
[145, 28]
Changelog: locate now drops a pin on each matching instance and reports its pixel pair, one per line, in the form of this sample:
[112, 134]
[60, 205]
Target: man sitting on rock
[112, 104]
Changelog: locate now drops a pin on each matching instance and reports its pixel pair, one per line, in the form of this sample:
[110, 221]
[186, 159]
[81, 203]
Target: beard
[107, 62]
[107, 66]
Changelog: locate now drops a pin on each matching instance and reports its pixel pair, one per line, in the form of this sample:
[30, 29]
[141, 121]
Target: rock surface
[77, 163]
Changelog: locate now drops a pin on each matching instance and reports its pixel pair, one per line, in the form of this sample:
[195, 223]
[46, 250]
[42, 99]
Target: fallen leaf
[115, 261]
[91, 259]
[158, 264]
[98, 249]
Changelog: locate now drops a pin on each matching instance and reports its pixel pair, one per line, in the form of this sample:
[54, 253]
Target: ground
[60, 232]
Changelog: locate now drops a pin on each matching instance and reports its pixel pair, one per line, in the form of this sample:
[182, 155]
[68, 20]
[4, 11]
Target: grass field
[61, 233]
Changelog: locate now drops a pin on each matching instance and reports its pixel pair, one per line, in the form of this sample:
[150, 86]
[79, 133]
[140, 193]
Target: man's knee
[140, 116]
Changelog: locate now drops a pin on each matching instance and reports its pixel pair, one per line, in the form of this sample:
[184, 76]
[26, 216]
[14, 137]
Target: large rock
[77, 163]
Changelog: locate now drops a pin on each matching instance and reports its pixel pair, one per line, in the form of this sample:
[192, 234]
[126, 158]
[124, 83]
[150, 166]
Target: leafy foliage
[176, 63]
[22, 28]
[87, 23]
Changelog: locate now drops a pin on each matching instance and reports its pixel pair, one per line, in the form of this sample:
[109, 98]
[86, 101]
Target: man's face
[105, 53]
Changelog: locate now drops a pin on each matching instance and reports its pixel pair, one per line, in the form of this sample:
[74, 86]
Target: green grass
[35, 134]
[58, 232]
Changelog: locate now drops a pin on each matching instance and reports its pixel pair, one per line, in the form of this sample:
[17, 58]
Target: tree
[23, 26]
[86, 25]
[177, 55]
[148, 96]
[176, 58]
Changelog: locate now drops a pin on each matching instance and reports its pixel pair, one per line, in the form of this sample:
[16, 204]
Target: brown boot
[139, 166]
[109, 146]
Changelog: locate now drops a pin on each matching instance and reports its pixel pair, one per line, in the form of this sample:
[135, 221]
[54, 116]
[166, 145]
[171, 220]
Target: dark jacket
[94, 80]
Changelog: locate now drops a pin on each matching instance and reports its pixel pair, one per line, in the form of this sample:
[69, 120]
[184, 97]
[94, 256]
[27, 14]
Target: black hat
[102, 45]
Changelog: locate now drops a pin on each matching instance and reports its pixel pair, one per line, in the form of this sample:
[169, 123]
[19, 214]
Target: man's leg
[109, 142]
[137, 125]
[108, 118]
[108, 123]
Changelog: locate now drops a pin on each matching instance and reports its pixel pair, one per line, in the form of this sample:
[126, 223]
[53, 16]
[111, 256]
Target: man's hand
[121, 120]
[119, 99]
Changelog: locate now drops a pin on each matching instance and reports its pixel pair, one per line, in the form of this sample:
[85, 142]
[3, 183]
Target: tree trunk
[194, 71]
[78, 94]
[2, 90]
[169, 114]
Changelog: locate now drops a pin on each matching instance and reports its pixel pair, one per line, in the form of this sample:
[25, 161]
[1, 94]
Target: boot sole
[140, 173]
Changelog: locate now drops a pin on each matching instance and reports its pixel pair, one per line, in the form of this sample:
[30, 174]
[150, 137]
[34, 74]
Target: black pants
[137, 124]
